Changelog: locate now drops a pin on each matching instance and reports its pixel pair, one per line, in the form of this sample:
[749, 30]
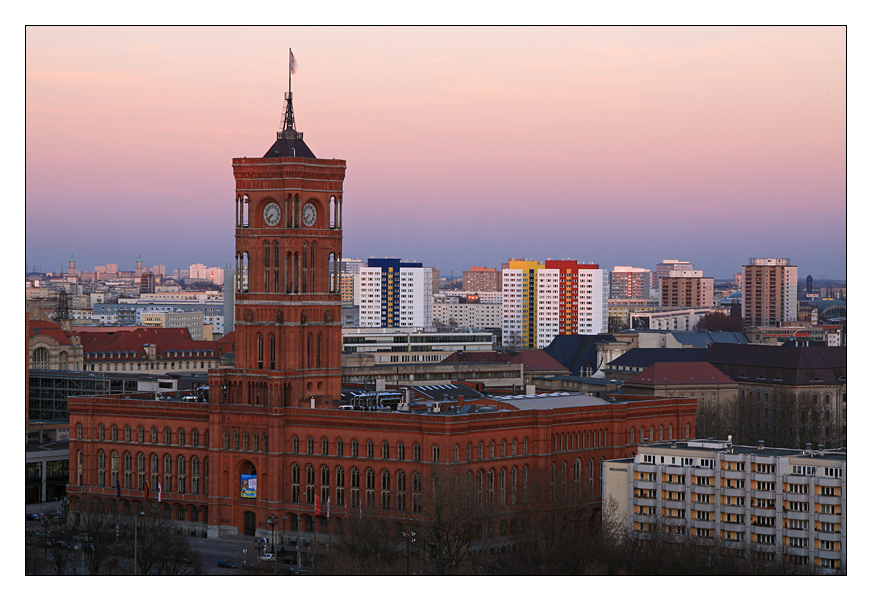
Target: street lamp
[272, 521]
[410, 538]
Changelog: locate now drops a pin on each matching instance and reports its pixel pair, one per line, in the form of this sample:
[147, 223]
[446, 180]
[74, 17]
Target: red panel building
[271, 440]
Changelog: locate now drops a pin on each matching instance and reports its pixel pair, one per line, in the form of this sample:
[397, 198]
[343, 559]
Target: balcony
[799, 498]
[733, 509]
[763, 512]
[831, 536]
[762, 529]
[760, 477]
[826, 554]
[674, 504]
[732, 475]
[832, 518]
[704, 490]
[644, 485]
[674, 469]
[702, 524]
[644, 502]
[732, 527]
[827, 500]
[673, 487]
[645, 468]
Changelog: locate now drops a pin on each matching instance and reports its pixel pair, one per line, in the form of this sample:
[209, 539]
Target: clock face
[272, 214]
[309, 214]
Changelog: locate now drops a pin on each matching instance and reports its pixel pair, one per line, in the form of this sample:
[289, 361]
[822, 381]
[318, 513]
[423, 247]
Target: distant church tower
[72, 268]
[288, 350]
[138, 267]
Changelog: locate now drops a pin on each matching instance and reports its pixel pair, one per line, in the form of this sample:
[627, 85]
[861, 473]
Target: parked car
[223, 563]
[267, 557]
[31, 517]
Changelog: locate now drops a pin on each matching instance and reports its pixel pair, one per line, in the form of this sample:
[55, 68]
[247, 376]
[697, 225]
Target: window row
[399, 452]
[181, 437]
[152, 473]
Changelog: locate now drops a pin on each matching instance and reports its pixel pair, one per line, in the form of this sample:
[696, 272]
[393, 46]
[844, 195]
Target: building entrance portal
[249, 523]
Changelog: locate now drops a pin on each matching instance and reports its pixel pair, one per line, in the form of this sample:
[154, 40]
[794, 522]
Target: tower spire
[289, 127]
[289, 141]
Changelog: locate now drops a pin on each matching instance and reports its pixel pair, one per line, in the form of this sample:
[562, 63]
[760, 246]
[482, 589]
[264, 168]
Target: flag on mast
[117, 488]
[293, 62]
[317, 505]
[328, 507]
[159, 490]
[146, 492]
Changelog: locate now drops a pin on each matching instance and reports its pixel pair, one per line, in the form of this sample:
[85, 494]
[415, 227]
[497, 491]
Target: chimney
[460, 399]
[760, 446]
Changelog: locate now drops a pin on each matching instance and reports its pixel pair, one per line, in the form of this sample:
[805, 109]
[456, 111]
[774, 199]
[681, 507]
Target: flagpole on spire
[288, 124]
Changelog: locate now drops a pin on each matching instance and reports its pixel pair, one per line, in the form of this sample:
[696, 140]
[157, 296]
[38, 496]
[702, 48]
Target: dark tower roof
[289, 141]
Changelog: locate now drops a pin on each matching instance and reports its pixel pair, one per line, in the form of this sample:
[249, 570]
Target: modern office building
[768, 292]
[775, 504]
[408, 345]
[542, 300]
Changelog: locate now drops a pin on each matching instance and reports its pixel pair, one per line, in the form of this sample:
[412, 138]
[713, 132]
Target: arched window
[514, 447]
[386, 450]
[401, 451]
[435, 453]
[195, 438]
[154, 435]
[469, 451]
[168, 474]
[325, 447]
[128, 470]
[481, 450]
[686, 430]
[295, 445]
[456, 453]
[632, 435]
[416, 492]
[181, 437]
[260, 351]
[370, 449]
[340, 487]
[310, 446]
[79, 431]
[354, 449]
[101, 432]
[525, 446]
[195, 475]
[416, 452]
[40, 358]
[245, 441]
[355, 487]
[140, 434]
[182, 474]
[661, 432]
[168, 436]
[590, 477]
[340, 447]
[503, 448]
[114, 433]
[126, 433]
[385, 490]
[492, 449]
[235, 440]
[401, 490]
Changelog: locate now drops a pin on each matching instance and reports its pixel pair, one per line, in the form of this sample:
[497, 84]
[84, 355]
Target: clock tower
[288, 251]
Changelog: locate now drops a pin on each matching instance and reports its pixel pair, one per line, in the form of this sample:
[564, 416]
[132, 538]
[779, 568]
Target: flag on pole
[159, 490]
[360, 508]
[293, 62]
[317, 505]
[328, 507]
[146, 492]
[117, 488]
[346, 507]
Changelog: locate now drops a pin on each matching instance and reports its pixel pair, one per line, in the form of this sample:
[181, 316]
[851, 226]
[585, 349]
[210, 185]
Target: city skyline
[465, 146]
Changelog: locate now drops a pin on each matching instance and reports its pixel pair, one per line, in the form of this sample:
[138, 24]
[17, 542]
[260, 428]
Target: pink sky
[464, 146]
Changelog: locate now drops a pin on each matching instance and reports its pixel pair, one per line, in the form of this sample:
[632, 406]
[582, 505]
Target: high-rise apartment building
[686, 288]
[482, 279]
[664, 267]
[629, 282]
[542, 300]
[778, 504]
[393, 294]
[768, 292]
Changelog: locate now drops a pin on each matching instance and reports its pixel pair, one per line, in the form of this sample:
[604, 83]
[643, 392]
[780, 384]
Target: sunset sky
[464, 146]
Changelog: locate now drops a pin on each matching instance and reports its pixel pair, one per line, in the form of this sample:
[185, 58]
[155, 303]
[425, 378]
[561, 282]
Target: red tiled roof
[47, 328]
[538, 360]
[675, 373]
[132, 341]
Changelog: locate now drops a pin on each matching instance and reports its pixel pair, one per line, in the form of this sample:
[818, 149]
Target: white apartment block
[193, 320]
[777, 504]
[542, 300]
[468, 315]
[394, 294]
